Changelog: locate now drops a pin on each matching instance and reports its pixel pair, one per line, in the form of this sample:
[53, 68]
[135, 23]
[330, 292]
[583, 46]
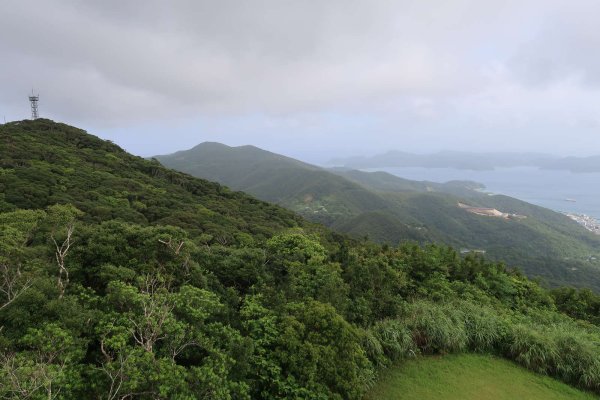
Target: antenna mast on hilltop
[33, 99]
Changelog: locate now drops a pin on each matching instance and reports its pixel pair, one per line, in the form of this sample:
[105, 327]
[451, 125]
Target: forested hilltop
[389, 209]
[121, 279]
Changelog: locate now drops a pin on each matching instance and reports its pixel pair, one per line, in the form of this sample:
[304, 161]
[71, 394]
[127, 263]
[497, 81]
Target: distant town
[589, 223]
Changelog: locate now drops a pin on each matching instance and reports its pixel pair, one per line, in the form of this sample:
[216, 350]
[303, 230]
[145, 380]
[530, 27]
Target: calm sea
[546, 188]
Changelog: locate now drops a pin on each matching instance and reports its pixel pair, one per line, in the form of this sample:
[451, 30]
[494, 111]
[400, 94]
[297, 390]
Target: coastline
[545, 188]
[589, 223]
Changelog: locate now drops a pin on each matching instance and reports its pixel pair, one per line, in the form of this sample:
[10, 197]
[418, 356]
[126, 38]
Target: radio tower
[33, 99]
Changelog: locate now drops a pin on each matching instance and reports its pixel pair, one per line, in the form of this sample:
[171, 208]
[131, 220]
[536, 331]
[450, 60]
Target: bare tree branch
[61, 254]
[11, 284]
[173, 245]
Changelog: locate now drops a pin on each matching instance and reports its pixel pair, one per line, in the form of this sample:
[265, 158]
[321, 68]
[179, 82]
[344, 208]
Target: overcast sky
[310, 79]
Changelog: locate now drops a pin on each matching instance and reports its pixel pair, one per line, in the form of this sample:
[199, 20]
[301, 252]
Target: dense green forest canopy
[389, 209]
[122, 279]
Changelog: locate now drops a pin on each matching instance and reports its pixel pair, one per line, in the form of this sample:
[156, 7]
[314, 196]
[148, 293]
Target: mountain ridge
[471, 161]
[357, 202]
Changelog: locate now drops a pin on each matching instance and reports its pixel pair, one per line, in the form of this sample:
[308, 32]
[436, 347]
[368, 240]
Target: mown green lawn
[469, 377]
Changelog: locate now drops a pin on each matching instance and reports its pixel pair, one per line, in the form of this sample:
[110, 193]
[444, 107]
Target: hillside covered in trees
[122, 279]
[389, 209]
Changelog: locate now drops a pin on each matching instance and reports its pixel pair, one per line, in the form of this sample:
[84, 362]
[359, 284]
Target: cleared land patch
[489, 212]
[469, 377]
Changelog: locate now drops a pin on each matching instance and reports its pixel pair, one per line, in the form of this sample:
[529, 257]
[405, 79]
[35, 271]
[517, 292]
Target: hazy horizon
[311, 80]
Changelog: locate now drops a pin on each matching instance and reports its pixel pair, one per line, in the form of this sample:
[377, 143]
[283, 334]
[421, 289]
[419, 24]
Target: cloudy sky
[312, 79]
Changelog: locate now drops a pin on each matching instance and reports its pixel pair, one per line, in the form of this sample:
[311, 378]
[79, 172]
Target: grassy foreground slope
[386, 208]
[469, 377]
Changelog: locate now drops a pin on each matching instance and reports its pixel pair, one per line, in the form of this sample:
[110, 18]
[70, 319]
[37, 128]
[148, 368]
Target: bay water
[562, 191]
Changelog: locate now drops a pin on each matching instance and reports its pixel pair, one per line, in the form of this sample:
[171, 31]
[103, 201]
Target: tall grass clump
[485, 329]
[373, 349]
[579, 358]
[436, 328]
[395, 339]
[557, 346]
[533, 349]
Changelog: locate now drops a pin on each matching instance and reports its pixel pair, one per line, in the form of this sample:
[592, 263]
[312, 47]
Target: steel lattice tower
[33, 99]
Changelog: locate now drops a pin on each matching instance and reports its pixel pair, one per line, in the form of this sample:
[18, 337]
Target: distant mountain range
[471, 161]
[387, 208]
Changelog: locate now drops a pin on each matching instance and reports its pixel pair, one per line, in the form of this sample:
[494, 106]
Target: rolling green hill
[387, 208]
[306, 189]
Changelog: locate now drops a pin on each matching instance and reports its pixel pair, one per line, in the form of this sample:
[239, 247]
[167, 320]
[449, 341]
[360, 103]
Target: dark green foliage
[44, 163]
[581, 304]
[122, 279]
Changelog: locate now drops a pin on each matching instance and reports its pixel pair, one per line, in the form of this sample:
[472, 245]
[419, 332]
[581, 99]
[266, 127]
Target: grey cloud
[241, 56]
[422, 72]
[566, 47]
